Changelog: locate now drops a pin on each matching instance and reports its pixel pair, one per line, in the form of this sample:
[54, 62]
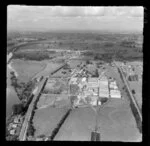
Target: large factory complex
[90, 90]
[80, 90]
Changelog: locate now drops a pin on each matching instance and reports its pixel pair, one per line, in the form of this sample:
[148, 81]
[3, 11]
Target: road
[132, 98]
[22, 136]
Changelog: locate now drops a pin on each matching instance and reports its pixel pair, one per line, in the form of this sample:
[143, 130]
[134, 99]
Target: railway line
[133, 104]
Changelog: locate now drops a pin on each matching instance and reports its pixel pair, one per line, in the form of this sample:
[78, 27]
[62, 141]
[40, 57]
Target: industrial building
[115, 94]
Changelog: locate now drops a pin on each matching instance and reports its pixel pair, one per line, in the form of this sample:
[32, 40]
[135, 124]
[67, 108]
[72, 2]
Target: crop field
[46, 119]
[74, 63]
[113, 72]
[27, 69]
[62, 73]
[115, 121]
[137, 86]
[116, 44]
[48, 69]
[46, 100]
[57, 100]
[78, 125]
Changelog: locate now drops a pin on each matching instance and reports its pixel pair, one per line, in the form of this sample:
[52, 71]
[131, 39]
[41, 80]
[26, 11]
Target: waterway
[11, 96]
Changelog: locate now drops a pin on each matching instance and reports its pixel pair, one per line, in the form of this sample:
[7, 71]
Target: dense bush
[18, 109]
[31, 130]
[23, 90]
[72, 99]
[12, 138]
[96, 73]
[109, 44]
[103, 100]
[36, 55]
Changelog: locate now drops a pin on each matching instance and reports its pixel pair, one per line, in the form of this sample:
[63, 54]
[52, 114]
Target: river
[11, 96]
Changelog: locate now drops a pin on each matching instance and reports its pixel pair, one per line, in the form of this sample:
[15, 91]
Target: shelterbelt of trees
[38, 55]
[24, 91]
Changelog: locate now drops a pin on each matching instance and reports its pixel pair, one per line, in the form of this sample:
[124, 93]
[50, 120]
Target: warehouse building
[115, 94]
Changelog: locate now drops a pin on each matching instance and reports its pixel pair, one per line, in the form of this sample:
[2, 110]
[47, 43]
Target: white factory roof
[84, 79]
[14, 126]
[113, 86]
[16, 120]
[12, 132]
[94, 102]
[103, 87]
[93, 85]
[104, 78]
[73, 79]
[103, 82]
[114, 91]
[115, 94]
[93, 80]
[103, 90]
[113, 83]
[104, 95]
[99, 103]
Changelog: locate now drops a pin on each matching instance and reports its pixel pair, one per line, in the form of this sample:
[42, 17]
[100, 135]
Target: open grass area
[137, 87]
[48, 69]
[46, 119]
[115, 120]
[57, 100]
[78, 125]
[62, 73]
[117, 123]
[27, 69]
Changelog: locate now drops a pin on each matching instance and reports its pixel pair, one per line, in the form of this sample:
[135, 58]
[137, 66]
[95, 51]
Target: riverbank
[11, 95]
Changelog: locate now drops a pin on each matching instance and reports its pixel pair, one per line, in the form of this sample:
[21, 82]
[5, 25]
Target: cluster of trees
[18, 109]
[67, 66]
[17, 85]
[104, 100]
[96, 73]
[31, 129]
[57, 89]
[88, 53]
[130, 44]
[108, 44]
[35, 55]
[105, 57]
[72, 99]
[136, 116]
[28, 90]
[22, 89]
[11, 137]
[55, 131]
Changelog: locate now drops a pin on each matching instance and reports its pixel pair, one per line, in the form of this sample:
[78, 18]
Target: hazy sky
[76, 18]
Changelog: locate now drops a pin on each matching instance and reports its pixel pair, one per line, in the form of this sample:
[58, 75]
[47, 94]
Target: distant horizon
[74, 31]
[71, 18]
